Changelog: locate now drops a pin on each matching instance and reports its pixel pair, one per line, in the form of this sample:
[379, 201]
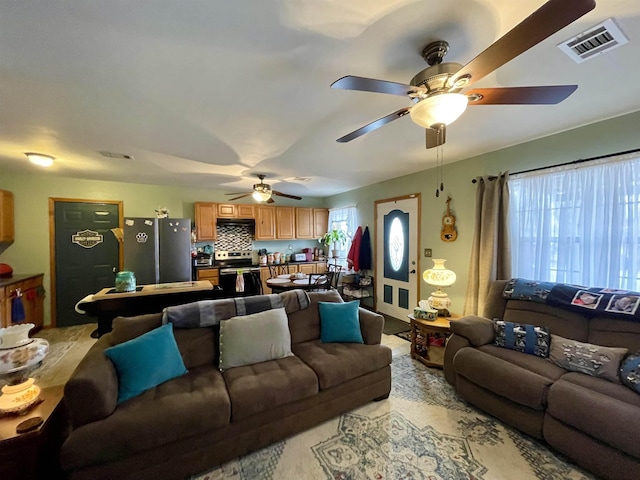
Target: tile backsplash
[233, 237]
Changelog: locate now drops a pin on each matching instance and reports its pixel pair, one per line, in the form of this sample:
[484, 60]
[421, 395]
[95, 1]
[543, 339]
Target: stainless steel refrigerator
[158, 250]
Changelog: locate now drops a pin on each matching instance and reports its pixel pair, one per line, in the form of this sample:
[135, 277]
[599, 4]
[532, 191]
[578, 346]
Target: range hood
[237, 222]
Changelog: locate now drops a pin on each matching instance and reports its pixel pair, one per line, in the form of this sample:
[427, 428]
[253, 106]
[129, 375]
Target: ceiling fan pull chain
[442, 168]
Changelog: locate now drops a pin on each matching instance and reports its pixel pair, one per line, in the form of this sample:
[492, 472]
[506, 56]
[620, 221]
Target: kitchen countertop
[17, 278]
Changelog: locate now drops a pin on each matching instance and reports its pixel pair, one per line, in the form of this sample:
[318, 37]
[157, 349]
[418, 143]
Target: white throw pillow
[254, 338]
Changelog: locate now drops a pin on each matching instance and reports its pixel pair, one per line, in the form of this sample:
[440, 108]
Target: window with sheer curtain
[578, 224]
[345, 219]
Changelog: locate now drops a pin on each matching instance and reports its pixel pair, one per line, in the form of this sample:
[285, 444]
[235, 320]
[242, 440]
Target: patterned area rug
[423, 431]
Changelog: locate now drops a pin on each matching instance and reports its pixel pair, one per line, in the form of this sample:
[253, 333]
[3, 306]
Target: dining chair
[334, 271]
[318, 281]
[273, 271]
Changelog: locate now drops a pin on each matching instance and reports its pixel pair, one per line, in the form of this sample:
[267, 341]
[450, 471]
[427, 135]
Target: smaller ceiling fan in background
[262, 192]
[435, 90]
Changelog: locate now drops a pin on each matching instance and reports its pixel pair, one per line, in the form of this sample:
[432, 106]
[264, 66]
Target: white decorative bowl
[23, 357]
[15, 335]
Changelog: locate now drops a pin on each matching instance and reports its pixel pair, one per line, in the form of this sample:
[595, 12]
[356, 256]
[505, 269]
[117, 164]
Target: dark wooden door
[86, 254]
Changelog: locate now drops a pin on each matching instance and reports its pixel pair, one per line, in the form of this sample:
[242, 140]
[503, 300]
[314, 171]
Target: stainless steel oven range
[231, 263]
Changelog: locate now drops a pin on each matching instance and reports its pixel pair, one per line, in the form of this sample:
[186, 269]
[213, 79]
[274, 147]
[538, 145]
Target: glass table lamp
[19, 357]
[439, 277]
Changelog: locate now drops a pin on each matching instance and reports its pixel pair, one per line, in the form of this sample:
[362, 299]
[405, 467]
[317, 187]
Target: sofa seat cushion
[541, 366]
[262, 386]
[337, 363]
[191, 404]
[606, 411]
[524, 381]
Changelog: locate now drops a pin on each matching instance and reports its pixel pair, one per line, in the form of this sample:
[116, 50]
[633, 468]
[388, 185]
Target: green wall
[30, 251]
[610, 136]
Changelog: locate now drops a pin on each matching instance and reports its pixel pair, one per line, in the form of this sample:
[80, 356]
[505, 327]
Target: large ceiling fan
[435, 91]
[262, 192]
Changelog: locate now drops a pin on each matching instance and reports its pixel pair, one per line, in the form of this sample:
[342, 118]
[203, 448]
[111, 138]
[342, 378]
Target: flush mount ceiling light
[445, 109]
[40, 159]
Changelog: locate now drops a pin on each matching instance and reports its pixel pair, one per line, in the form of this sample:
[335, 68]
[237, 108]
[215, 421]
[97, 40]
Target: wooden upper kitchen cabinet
[6, 217]
[285, 223]
[320, 222]
[265, 222]
[304, 222]
[226, 210]
[206, 214]
[229, 210]
[32, 291]
[244, 211]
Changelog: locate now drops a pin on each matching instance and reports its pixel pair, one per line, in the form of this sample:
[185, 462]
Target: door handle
[114, 270]
[413, 271]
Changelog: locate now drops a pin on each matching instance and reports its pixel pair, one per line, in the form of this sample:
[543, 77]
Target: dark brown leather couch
[592, 421]
[204, 418]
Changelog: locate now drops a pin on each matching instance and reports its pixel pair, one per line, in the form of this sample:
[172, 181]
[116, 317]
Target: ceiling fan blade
[373, 125]
[271, 200]
[436, 135]
[241, 196]
[544, 22]
[235, 193]
[285, 195]
[547, 95]
[351, 82]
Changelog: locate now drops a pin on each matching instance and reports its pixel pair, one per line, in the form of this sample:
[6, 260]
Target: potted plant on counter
[332, 237]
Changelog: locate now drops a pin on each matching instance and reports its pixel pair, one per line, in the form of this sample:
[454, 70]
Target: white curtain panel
[578, 225]
[490, 253]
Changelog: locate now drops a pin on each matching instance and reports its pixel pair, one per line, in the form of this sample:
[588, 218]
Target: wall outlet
[428, 252]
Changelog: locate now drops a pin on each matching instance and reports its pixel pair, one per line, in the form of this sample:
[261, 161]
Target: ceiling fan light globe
[444, 108]
[261, 196]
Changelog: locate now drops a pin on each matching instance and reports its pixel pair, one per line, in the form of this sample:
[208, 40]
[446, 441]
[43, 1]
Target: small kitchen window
[345, 219]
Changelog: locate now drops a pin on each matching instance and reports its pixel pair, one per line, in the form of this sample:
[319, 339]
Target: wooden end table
[434, 355]
[33, 454]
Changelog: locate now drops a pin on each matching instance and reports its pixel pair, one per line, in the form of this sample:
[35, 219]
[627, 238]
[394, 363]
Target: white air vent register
[596, 40]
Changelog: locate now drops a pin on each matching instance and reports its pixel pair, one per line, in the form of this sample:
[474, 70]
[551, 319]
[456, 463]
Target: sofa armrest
[371, 325]
[92, 391]
[478, 330]
[454, 344]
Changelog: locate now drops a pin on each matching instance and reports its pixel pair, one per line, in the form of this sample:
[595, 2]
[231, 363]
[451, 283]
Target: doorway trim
[418, 197]
[52, 249]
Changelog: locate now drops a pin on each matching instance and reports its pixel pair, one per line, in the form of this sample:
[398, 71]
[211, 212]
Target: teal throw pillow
[339, 322]
[146, 361]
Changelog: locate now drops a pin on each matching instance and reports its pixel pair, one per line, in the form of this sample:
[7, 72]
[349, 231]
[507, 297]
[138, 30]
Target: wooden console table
[434, 354]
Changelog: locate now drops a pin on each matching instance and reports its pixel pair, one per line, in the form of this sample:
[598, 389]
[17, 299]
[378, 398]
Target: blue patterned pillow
[522, 337]
[630, 372]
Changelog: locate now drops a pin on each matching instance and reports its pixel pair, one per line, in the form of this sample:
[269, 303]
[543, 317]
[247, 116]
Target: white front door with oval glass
[397, 227]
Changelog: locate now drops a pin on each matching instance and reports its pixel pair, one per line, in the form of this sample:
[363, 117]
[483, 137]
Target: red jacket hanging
[353, 258]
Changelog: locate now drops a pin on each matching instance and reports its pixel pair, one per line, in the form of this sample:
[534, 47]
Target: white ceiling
[209, 93]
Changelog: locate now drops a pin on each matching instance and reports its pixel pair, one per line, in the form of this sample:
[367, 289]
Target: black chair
[334, 271]
[319, 281]
[275, 270]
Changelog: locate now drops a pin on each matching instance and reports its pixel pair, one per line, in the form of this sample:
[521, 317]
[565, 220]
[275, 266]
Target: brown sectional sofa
[593, 421]
[199, 420]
